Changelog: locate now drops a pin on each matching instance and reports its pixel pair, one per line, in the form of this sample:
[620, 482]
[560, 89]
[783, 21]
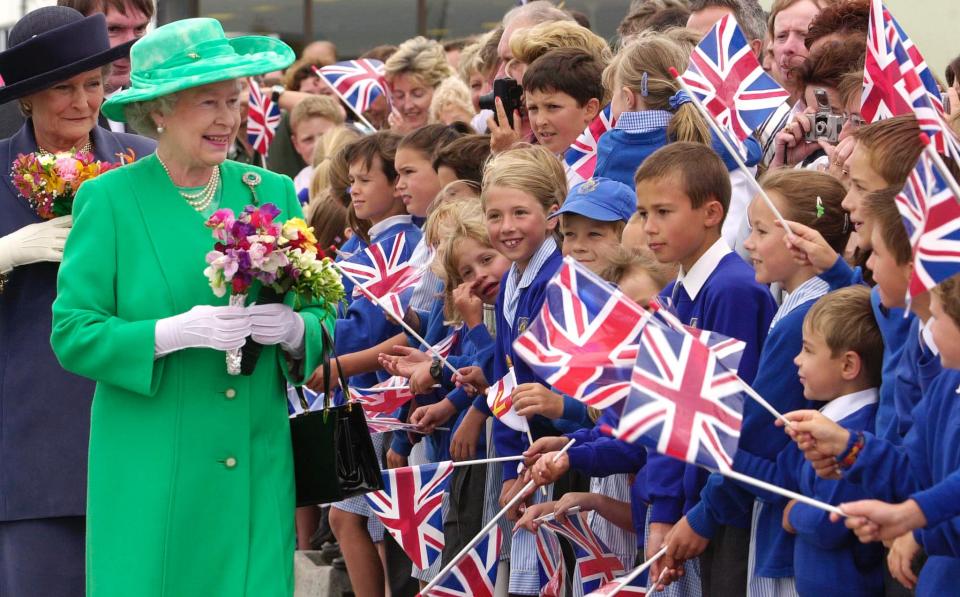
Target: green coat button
[230, 462]
[231, 393]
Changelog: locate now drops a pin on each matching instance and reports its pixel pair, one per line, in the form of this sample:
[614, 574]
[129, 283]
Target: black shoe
[329, 552]
[339, 563]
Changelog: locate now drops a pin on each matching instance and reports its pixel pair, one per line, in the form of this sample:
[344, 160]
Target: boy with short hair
[592, 220]
[840, 364]
[683, 191]
[309, 120]
[563, 91]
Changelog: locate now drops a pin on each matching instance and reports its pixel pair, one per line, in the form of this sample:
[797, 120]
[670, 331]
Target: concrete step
[313, 578]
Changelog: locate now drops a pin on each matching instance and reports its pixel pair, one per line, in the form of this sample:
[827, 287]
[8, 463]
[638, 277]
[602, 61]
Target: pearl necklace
[86, 148]
[202, 199]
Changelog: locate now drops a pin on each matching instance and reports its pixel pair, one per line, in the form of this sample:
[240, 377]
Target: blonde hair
[315, 106]
[470, 61]
[627, 261]
[469, 226]
[452, 92]
[644, 65]
[529, 44]
[422, 58]
[532, 169]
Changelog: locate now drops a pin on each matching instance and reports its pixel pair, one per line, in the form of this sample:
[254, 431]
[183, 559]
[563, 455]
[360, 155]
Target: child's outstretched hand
[531, 513]
[468, 305]
[463, 444]
[547, 469]
[808, 247]
[472, 380]
[426, 418]
[820, 439]
[583, 500]
[403, 362]
[550, 443]
[535, 399]
[873, 520]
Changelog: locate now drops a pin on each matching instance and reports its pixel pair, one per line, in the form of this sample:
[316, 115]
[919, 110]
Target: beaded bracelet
[854, 447]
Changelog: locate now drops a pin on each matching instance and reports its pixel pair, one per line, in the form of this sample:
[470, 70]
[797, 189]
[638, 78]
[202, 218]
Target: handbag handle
[328, 340]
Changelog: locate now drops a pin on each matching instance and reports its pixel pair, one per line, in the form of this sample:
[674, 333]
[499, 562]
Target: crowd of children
[866, 380]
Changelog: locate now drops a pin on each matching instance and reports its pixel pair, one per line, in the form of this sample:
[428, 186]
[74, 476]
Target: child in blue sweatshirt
[683, 191]
[812, 198]
[921, 472]
[840, 364]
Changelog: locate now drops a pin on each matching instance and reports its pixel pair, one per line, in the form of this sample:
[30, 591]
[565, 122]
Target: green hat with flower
[193, 52]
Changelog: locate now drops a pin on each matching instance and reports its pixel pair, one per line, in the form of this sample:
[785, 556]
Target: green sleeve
[88, 337]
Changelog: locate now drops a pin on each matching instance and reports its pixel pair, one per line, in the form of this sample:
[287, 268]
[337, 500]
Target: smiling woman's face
[203, 124]
[66, 112]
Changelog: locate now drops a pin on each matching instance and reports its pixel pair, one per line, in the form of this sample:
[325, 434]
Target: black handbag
[333, 455]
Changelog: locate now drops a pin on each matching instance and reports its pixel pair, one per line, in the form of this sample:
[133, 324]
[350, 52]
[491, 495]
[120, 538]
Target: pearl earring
[160, 130]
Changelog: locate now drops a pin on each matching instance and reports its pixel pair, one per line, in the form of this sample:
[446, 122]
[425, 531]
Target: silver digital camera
[824, 123]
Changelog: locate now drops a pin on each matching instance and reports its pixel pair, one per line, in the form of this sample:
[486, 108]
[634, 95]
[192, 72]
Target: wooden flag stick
[731, 149]
[486, 529]
[624, 581]
[488, 460]
[403, 324]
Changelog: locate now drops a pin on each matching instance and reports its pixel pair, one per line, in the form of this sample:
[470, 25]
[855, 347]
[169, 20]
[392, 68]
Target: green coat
[190, 488]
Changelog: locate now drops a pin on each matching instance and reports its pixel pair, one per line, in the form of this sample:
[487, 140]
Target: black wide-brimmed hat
[52, 44]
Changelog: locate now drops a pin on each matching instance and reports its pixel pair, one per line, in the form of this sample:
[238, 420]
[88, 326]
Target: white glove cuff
[294, 340]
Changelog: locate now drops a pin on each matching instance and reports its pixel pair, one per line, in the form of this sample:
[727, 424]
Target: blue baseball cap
[600, 199]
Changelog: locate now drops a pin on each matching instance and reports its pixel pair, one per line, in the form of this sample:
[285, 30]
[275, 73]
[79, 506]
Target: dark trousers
[465, 516]
[42, 557]
[723, 566]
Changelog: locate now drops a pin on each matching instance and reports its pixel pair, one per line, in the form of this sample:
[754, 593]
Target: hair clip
[644, 89]
[820, 210]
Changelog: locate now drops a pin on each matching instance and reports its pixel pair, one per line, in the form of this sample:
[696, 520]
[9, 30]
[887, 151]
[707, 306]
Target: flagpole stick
[729, 147]
[488, 460]
[780, 491]
[551, 515]
[934, 156]
[624, 581]
[357, 114]
[675, 324]
[402, 323]
[486, 529]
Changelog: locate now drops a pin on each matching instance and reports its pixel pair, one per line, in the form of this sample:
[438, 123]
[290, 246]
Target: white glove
[219, 328]
[277, 324]
[42, 241]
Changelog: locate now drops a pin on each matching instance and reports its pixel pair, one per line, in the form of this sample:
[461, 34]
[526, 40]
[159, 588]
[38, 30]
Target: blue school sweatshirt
[732, 303]
[895, 325]
[362, 324]
[929, 454]
[724, 502]
[507, 441]
[827, 556]
[918, 366]
[620, 152]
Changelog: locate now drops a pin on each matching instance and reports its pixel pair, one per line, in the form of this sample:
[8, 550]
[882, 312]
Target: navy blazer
[44, 410]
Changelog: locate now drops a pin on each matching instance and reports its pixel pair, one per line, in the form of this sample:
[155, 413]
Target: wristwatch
[277, 92]
[436, 371]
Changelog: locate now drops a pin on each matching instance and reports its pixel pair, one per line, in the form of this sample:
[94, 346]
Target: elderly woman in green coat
[191, 488]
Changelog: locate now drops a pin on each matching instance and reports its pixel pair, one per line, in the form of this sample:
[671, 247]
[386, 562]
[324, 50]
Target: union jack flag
[727, 350]
[382, 424]
[357, 82]
[500, 401]
[595, 562]
[931, 216]
[549, 563]
[634, 587]
[580, 160]
[683, 402]
[409, 507]
[384, 271]
[476, 574]
[897, 80]
[385, 397]
[263, 118]
[584, 342]
[727, 78]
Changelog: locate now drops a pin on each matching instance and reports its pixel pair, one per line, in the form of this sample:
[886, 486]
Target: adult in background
[191, 488]
[413, 73]
[54, 71]
[126, 20]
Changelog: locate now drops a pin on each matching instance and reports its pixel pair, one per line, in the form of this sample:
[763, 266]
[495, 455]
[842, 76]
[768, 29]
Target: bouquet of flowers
[283, 257]
[49, 182]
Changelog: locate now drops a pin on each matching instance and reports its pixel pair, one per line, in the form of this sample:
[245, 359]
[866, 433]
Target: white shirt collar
[694, 280]
[382, 225]
[844, 406]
